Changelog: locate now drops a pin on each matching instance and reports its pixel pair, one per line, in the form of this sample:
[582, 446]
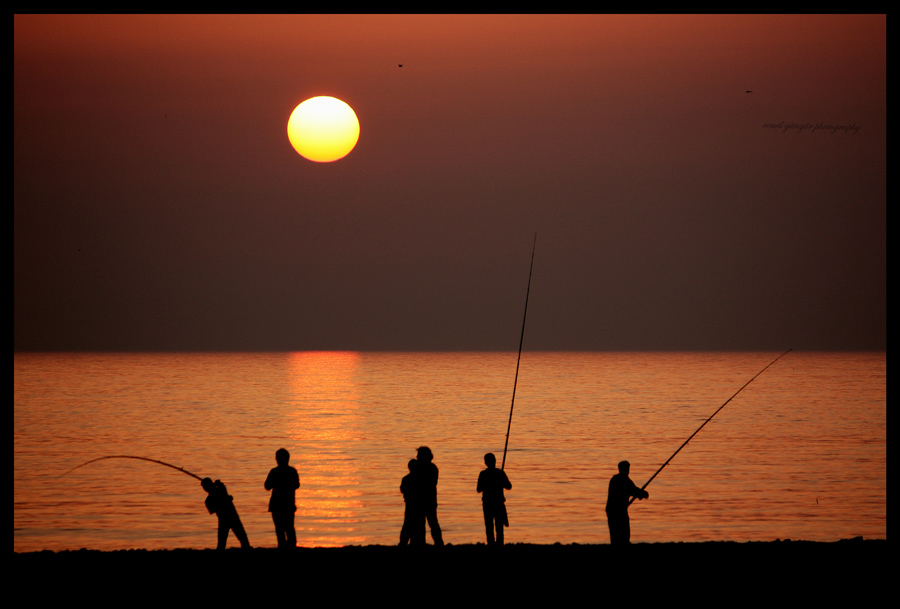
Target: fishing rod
[707, 421]
[519, 359]
[181, 469]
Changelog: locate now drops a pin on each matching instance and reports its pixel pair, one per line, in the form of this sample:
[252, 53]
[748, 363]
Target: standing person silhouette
[621, 489]
[427, 478]
[283, 481]
[491, 482]
[220, 503]
[413, 531]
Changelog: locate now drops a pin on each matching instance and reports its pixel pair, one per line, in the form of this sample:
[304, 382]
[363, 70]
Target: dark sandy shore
[779, 571]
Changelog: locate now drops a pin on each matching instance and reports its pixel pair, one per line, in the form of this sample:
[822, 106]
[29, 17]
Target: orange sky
[159, 205]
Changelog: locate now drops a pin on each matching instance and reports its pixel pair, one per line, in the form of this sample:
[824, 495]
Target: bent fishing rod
[708, 420]
[180, 469]
[519, 359]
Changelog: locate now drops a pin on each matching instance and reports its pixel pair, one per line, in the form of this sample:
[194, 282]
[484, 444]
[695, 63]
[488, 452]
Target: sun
[323, 129]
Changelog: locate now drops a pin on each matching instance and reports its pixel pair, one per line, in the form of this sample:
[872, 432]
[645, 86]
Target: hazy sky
[160, 206]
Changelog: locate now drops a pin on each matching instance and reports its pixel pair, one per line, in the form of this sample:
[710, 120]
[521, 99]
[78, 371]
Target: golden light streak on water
[324, 423]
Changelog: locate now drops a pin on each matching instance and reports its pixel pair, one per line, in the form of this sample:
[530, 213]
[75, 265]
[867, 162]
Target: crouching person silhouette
[220, 503]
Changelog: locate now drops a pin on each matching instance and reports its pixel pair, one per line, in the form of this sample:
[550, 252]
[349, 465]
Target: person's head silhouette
[624, 467]
[282, 456]
[490, 460]
[424, 454]
[207, 485]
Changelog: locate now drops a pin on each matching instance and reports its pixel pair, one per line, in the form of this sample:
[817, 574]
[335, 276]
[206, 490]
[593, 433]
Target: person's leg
[290, 532]
[613, 530]
[418, 529]
[238, 527]
[431, 516]
[224, 527]
[619, 528]
[488, 524]
[501, 519]
[406, 529]
[279, 529]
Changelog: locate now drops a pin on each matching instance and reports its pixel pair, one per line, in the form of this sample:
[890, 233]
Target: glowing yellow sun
[323, 129]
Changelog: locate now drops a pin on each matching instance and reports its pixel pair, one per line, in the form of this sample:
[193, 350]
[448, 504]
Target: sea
[798, 453]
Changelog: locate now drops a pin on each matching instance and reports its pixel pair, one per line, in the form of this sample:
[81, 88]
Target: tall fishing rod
[519, 359]
[707, 421]
[181, 469]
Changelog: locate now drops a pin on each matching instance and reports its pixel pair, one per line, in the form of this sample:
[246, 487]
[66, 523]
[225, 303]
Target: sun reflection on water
[324, 425]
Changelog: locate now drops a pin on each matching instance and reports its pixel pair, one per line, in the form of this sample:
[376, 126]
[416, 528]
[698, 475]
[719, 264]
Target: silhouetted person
[621, 490]
[220, 503]
[413, 531]
[427, 479]
[491, 483]
[283, 481]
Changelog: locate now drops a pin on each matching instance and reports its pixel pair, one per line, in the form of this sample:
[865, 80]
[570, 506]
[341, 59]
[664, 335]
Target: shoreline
[553, 556]
[451, 552]
[429, 546]
[807, 567]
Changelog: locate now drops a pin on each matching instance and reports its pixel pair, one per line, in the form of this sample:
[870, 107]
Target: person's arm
[480, 487]
[636, 492]
[268, 483]
[506, 483]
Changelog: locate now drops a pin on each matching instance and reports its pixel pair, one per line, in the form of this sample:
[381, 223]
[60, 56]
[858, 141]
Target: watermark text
[785, 126]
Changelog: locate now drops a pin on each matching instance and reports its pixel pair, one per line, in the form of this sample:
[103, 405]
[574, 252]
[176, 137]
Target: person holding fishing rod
[621, 490]
[220, 503]
[491, 482]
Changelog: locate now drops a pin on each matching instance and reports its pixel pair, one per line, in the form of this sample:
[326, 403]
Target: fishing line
[180, 469]
[707, 421]
[519, 359]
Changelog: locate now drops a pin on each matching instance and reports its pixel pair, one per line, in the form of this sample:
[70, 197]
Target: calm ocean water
[800, 453]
